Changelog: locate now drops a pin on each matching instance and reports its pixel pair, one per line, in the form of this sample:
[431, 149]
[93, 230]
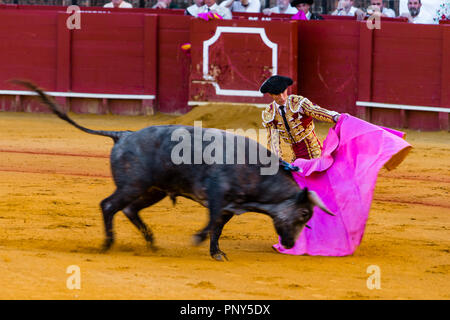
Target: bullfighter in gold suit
[290, 119]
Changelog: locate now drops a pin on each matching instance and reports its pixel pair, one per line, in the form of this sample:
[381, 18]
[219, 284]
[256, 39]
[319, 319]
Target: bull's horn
[315, 200]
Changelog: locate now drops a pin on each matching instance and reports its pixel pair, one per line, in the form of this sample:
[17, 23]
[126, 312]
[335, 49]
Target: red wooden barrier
[28, 50]
[110, 54]
[405, 67]
[397, 76]
[173, 64]
[107, 52]
[230, 62]
[444, 118]
[328, 63]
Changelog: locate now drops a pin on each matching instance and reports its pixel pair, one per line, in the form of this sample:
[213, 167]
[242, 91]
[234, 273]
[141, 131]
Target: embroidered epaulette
[295, 102]
[268, 114]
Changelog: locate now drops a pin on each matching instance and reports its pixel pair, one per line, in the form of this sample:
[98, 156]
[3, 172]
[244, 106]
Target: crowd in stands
[299, 9]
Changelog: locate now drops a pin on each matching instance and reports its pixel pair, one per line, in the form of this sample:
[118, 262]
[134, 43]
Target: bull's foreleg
[132, 213]
[216, 231]
[215, 198]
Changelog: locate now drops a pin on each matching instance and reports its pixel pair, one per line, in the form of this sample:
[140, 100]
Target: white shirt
[278, 107]
[290, 10]
[253, 6]
[351, 12]
[194, 10]
[308, 15]
[388, 12]
[222, 11]
[123, 4]
[423, 18]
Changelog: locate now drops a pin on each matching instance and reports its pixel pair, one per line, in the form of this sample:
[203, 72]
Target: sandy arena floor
[52, 178]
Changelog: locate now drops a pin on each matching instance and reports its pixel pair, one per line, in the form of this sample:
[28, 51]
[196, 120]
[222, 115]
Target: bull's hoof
[106, 246]
[198, 238]
[104, 249]
[219, 256]
[151, 246]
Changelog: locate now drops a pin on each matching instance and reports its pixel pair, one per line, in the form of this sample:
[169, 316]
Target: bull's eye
[305, 211]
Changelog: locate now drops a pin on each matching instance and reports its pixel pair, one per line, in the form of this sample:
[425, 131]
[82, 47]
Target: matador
[290, 119]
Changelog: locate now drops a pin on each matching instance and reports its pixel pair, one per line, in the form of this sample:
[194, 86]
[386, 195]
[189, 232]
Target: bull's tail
[47, 100]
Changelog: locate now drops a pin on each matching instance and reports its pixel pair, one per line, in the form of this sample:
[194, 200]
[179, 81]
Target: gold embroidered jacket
[299, 114]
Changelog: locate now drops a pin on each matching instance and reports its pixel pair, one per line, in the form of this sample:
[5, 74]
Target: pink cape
[344, 177]
[300, 15]
[209, 16]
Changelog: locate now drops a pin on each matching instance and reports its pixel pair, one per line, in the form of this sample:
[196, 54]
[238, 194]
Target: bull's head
[291, 223]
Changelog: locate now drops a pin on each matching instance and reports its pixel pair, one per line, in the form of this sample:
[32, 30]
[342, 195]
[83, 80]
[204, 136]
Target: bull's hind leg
[132, 212]
[111, 205]
[200, 236]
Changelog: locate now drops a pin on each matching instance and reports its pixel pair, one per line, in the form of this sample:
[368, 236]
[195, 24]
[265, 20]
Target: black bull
[145, 173]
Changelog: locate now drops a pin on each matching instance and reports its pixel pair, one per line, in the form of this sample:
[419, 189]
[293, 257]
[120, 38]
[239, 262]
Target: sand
[53, 177]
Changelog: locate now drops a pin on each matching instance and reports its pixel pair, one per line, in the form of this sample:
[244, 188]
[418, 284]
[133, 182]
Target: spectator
[346, 8]
[242, 5]
[195, 9]
[305, 6]
[283, 6]
[211, 6]
[385, 12]
[118, 4]
[414, 15]
[84, 3]
[162, 4]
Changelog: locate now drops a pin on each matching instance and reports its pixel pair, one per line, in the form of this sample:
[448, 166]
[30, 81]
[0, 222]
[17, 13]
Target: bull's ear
[302, 196]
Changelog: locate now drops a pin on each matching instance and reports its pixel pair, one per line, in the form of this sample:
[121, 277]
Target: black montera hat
[276, 84]
[295, 3]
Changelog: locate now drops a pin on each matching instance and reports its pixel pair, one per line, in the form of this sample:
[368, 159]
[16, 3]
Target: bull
[144, 174]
